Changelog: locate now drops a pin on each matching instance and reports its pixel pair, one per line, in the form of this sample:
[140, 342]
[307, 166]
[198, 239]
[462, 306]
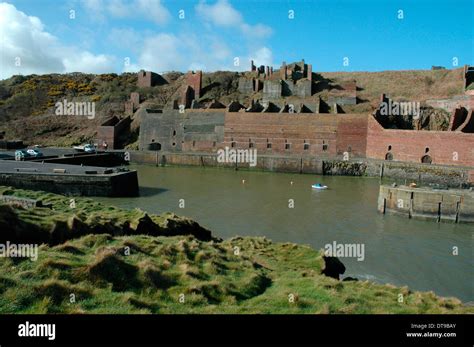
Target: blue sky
[39, 36]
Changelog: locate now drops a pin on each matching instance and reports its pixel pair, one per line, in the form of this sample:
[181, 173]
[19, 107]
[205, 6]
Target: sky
[102, 36]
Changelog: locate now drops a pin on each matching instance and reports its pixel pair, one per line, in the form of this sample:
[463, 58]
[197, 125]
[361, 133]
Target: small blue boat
[318, 186]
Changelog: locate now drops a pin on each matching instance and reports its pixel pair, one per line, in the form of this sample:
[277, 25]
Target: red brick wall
[144, 79]
[194, 80]
[295, 129]
[409, 145]
[352, 134]
[107, 134]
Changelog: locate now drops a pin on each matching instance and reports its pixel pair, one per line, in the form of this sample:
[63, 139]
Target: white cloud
[151, 10]
[165, 52]
[87, 62]
[258, 30]
[262, 56]
[24, 40]
[224, 15]
[221, 13]
[161, 52]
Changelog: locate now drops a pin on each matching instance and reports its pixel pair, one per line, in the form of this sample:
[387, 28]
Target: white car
[89, 149]
[85, 148]
[34, 152]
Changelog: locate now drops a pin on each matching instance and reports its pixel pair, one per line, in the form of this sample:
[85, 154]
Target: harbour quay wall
[113, 185]
[451, 176]
[106, 159]
[69, 179]
[290, 164]
[404, 172]
[456, 206]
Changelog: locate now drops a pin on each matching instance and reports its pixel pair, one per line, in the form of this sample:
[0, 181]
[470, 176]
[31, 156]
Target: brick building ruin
[286, 118]
[291, 80]
[147, 79]
[192, 89]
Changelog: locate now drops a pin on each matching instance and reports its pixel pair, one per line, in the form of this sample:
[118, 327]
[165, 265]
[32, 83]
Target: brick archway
[389, 156]
[426, 159]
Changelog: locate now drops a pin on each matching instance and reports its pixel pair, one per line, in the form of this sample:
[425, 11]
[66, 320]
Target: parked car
[34, 153]
[21, 154]
[88, 148]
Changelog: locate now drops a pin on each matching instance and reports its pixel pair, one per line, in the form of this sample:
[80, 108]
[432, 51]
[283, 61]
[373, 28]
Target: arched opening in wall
[389, 156]
[174, 132]
[427, 149]
[232, 144]
[426, 159]
[154, 146]
[389, 148]
[173, 144]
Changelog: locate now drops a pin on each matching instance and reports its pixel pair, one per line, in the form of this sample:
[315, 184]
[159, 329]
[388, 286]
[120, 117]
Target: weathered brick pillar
[283, 71]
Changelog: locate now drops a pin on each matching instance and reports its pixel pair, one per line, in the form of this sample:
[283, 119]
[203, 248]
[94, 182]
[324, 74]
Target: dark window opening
[251, 145]
[390, 147]
[214, 144]
[287, 146]
[232, 144]
[194, 143]
[389, 156]
[269, 145]
[306, 146]
[174, 132]
[154, 146]
[427, 149]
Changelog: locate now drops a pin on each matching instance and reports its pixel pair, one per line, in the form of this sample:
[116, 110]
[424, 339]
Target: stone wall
[272, 89]
[450, 176]
[174, 131]
[442, 147]
[438, 205]
[119, 184]
[246, 85]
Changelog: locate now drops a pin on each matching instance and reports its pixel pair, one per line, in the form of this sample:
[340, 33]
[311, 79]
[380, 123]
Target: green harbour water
[400, 251]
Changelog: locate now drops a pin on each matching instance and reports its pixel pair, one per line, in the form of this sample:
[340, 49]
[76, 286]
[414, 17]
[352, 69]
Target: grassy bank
[133, 272]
